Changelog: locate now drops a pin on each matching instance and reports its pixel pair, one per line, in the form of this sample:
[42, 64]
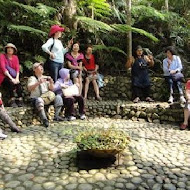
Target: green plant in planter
[102, 140]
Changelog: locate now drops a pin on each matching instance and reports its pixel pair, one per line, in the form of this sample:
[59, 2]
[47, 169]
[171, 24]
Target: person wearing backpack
[54, 48]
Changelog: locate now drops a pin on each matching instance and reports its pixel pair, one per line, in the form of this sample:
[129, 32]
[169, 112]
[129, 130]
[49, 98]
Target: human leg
[58, 103]
[96, 89]
[18, 88]
[86, 87]
[170, 84]
[6, 118]
[69, 107]
[54, 70]
[136, 93]
[80, 101]
[180, 89]
[184, 125]
[39, 105]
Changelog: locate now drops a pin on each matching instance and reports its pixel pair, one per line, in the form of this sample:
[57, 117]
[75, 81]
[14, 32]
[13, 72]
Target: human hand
[70, 43]
[17, 81]
[172, 71]
[13, 81]
[42, 80]
[150, 57]
[52, 56]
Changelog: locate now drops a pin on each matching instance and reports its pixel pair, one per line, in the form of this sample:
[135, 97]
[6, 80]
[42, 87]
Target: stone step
[157, 112]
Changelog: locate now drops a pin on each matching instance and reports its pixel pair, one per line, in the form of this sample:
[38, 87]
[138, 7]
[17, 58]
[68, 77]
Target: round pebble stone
[136, 180]
[12, 184]
[49, 185]
[20, 188]
[25, 177]
[119, 185]
[108, 188]
[157, 186]
[99, 177]
[28, 184]
[71, 186]
[85, 186]
[169, 187]
[37, 187]
[130, 186]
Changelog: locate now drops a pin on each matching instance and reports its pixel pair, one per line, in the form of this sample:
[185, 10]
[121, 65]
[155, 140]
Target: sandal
[148, 99]
[136, 100]
[183, 126]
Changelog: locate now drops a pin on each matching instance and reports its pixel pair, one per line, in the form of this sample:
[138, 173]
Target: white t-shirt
[37, 92]
[58, 49]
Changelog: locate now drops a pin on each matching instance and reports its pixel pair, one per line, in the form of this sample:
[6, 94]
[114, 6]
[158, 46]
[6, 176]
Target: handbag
[177, 76]
[48, 97]
[11, 71]
[47, 62]
[71, 90]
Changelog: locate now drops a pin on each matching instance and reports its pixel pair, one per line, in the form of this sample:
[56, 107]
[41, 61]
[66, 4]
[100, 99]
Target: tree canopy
[100, 22]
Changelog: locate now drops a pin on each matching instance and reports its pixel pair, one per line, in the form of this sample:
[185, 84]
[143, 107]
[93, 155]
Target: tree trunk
[129, 34]
[167, 5]
[68, 14]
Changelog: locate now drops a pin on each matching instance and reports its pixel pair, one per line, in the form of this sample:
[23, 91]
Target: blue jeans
[54, 68]
[171, 84]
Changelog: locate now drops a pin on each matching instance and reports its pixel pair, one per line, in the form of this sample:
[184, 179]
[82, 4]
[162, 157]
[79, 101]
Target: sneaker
[20, 103]
[182, 100]
[183, 126]
[82, 117]
[58, 118]
[71, 118]
[136, 100]
[13, 104]
[15, 129]
[148, 99]
[46, 123]
[171, 100]
[98, 98]
[3, 136]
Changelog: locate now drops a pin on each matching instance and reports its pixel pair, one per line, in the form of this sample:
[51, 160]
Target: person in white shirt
[56, 51]
[172, 67]
[38, 85]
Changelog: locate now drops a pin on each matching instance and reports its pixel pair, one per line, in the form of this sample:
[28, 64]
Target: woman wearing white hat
[9, 74]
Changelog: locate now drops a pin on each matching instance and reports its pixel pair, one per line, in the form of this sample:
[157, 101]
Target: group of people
[172, 68]
[67, 67]
[45, 90]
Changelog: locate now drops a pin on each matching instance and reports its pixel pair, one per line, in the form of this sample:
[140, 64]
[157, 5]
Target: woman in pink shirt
[9, 74]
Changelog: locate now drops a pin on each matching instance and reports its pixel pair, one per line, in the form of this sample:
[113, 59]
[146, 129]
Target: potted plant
[102, 142]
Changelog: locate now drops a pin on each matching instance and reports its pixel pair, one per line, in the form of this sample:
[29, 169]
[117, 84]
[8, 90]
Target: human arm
[130, 61]
[72, 66]
[33, 83]
[187, 92]
[46, 48]
[51, 83]
[178, 65]
[150, 60]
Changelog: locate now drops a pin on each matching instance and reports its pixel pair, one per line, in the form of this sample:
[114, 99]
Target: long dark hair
[171, 49]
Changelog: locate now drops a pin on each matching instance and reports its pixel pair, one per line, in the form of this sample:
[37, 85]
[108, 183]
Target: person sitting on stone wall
[184, 125]
[140, 78]
[9, 74]
[72, 96]
[6, 119]
[41, 93]
[172, 69]
[90, 68]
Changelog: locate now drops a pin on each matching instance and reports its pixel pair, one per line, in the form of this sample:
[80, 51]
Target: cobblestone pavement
[44, 159]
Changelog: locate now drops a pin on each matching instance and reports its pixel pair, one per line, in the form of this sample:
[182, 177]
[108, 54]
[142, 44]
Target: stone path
[44, 159]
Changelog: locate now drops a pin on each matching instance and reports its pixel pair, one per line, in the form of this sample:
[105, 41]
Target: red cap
[187, 86]
[54, 29]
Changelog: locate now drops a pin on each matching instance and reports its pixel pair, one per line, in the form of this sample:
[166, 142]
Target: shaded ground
[44, 159]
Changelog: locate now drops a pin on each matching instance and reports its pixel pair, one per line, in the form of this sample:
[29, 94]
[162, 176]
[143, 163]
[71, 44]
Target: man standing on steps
[39, 85]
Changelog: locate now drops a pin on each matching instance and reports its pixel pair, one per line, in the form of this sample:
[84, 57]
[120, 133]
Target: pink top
[14, 63]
